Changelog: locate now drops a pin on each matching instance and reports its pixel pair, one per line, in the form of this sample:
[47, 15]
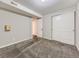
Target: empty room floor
[41, 49]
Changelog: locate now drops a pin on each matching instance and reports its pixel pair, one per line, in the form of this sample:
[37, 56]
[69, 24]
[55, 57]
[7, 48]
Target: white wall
[47, 21]
[21, 28]
[47, 26]
[39, 27]
[77, 27]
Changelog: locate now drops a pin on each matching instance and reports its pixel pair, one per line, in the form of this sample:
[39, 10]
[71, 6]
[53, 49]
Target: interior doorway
[36, 27]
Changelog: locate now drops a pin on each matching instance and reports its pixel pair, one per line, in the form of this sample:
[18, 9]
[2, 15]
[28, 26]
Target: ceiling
[48, 6]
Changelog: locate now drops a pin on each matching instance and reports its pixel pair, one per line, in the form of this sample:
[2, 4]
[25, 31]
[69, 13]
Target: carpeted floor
[41, 49]
[50, 49]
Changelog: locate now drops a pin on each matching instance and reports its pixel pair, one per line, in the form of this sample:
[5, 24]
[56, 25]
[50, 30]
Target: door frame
[73, 30]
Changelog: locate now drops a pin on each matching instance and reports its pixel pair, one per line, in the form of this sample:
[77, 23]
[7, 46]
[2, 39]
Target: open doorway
[36, 27]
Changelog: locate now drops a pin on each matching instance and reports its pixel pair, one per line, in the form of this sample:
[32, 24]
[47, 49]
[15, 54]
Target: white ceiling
[48, 6]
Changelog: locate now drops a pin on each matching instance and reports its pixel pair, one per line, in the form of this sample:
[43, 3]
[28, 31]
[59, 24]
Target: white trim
[13, 43]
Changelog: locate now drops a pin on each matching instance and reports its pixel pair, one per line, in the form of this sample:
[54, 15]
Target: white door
[63, 28]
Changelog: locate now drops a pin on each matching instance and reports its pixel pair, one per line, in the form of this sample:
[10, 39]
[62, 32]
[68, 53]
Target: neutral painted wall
[39, 27]
[77, 27]
[47, 26]
[47, 21]
[21, 28]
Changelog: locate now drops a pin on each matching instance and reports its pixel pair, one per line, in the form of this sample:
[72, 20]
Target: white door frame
[74, 26]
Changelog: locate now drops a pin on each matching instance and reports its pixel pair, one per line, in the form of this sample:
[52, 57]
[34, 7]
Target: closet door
[63, 28]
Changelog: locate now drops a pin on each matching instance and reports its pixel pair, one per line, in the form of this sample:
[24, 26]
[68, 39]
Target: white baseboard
[13, 43]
